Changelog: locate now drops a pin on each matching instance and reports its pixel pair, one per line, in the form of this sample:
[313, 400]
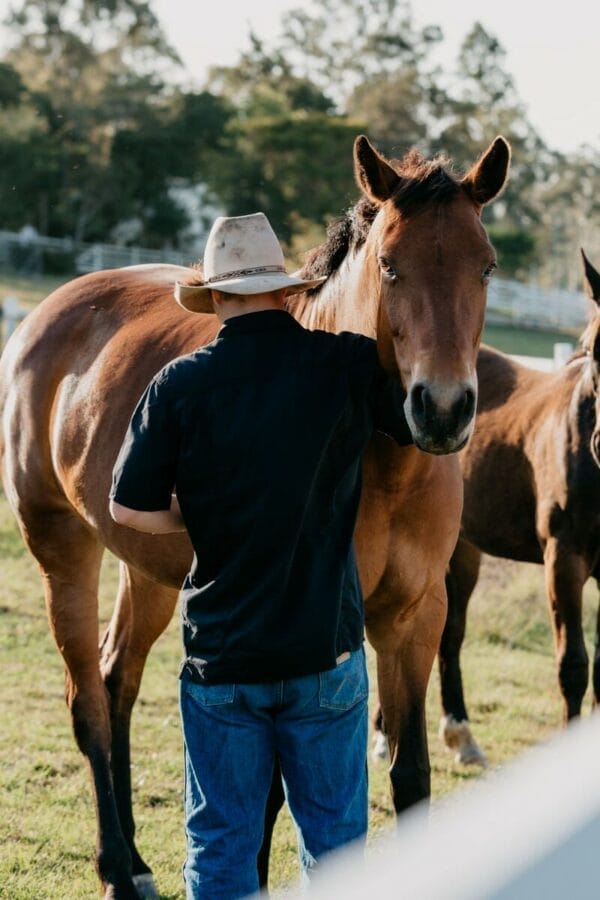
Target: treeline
[98, 143]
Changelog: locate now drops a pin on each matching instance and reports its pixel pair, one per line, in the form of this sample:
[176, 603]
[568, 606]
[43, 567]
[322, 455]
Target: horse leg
[275, 801]
[461, 579]
[566, 574]
[406, 649]
[69, 556]
[142, 612]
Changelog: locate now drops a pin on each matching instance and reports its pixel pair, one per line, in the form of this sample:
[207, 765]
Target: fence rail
[28, 253]
[527, 305]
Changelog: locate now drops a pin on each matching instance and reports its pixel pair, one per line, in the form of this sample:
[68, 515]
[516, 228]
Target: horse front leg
[566, 573]
[142, 611]
[455, 730]
[275, 801]
[406, 648]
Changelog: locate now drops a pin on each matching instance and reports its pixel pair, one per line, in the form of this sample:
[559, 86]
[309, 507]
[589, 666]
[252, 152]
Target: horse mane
[347, 232]
[422, 182]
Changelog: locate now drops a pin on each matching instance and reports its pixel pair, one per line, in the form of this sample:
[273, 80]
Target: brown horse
[532, 493]
[408, 265]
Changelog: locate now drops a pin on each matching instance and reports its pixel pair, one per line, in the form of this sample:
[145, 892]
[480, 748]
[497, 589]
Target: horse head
[590, 342]
[430, 254]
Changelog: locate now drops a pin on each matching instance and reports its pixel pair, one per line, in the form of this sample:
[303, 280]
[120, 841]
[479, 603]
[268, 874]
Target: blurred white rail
[529, 832]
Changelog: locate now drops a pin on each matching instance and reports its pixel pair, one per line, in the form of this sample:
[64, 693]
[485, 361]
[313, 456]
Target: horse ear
[591, 279]
[487, 177]
[374, 175]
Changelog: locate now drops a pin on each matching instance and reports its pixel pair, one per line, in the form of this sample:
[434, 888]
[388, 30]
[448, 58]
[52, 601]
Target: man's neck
[254, 303]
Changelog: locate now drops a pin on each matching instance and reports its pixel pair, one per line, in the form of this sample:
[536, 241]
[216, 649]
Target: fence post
[563, 351]
[11, 316]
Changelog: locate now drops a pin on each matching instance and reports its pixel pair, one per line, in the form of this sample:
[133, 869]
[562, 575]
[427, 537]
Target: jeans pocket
[346, 685]
[210, 694]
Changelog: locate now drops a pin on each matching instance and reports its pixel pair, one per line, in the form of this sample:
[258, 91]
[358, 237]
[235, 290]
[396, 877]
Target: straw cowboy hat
[242, 256]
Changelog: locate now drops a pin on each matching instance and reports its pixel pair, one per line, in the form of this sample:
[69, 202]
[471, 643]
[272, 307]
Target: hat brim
[197, 297]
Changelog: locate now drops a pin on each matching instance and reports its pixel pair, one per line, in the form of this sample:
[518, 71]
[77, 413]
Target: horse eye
[487, 273]
[387, 269]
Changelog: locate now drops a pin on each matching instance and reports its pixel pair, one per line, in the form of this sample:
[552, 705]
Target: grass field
[47, 827]
[525, 341]
[46, 819]
[28, 291]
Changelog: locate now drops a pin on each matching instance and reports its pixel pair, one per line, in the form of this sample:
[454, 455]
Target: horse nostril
[418, 402]
[469, 401]
[463, 409]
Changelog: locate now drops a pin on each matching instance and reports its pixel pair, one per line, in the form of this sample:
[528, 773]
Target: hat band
[238, 273]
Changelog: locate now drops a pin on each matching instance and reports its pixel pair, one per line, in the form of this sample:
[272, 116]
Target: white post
[563, 351]
[11, 315]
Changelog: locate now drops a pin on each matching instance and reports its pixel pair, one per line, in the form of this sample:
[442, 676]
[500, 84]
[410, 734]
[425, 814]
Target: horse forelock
[423, 182]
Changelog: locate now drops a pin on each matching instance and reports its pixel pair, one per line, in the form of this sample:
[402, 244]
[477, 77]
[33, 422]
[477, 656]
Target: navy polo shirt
[261, 434]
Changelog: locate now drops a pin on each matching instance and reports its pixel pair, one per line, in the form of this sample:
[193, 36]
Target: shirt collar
[265, 320]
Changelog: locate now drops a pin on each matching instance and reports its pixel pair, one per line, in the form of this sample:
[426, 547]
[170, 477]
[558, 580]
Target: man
[260, 434]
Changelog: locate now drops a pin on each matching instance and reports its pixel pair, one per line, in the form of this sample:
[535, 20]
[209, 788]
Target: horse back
[70, 377]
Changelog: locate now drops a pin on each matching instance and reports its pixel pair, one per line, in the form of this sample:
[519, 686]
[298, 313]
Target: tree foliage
[95, 136]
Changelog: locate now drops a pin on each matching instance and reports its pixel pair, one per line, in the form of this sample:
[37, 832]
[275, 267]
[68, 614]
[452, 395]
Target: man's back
[268, 425]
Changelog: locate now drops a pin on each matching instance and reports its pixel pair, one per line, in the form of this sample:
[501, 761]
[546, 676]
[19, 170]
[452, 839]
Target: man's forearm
[161, 521]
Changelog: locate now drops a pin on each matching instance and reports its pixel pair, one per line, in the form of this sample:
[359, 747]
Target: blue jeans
[317, 727]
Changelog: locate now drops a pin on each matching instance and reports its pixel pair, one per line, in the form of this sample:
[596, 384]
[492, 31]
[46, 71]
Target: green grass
[47, 827]
[525, 341]
[29, 291]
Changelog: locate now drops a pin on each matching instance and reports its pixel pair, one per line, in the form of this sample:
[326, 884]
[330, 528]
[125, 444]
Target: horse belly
[499, 513]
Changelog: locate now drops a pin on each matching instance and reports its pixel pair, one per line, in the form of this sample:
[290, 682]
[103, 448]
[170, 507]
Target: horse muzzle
[441, 416]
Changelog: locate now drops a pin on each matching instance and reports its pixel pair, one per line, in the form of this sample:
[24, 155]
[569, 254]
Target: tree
[345, 43]
[88, 70]
[285, 150]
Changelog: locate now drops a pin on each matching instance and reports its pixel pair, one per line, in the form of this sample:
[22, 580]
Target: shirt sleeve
[386, 400]
[144, 473]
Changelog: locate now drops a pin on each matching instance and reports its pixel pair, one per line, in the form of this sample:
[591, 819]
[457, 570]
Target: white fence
[30, 253]
[530, 831]
[527, 305]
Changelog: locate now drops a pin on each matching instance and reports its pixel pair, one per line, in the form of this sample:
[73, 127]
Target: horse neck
[581, 414]
[348, 301]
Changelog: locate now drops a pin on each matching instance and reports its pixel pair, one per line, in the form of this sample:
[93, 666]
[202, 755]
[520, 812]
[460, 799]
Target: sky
[552, 48]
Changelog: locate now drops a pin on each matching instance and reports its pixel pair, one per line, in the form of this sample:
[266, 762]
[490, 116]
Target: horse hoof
[380, 747]
[145, 887]
[457, 736]
[121, 892]
[471, 755]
